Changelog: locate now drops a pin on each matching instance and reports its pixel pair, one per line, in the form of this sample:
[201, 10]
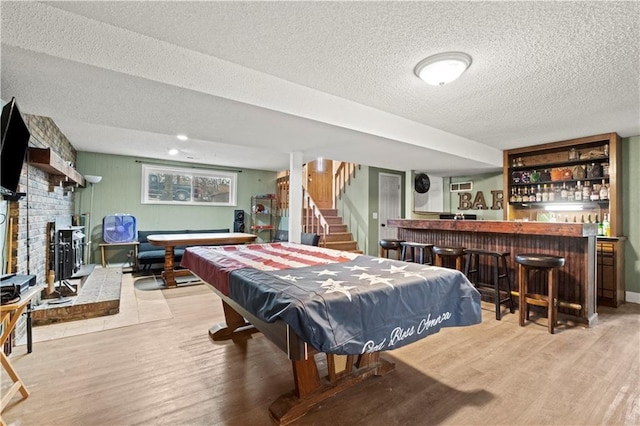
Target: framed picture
[175, 185]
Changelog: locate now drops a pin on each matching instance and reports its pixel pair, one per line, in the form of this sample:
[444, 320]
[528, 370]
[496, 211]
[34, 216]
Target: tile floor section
[136, 307]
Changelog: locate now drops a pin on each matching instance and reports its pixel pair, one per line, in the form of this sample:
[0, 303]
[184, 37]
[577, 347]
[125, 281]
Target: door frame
[382, 200]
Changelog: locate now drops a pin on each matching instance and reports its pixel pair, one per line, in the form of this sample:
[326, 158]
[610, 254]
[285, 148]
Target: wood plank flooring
[169, 372]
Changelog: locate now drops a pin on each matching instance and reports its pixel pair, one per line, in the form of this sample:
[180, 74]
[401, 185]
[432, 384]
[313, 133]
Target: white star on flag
[325, 272]
[336, 287]
[366, 276]
[380, 280]
[410, 274]
[379, 259]
[395, 269]
[357, 268]
[290, 277]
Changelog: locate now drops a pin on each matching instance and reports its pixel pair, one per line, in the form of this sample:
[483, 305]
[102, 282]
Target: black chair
[454, 254]
[387, 244]
[281, 236]
[309, 239]
[424, 255]
[472, 268]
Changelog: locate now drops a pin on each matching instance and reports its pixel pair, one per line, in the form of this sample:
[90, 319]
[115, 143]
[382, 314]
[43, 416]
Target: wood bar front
[576, 242]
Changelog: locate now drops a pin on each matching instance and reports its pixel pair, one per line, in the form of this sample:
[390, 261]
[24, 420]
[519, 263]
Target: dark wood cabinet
[591, 161]
[610, 271]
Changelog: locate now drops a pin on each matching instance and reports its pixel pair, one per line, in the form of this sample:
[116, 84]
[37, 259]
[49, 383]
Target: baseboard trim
[632, 297]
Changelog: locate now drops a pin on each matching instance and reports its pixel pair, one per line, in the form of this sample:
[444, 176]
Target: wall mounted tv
[15, 140]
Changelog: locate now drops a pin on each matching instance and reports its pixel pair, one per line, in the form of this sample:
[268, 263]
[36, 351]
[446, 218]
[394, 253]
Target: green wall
[630, 209]
[120, 192]
[484, 183]
[353, 207]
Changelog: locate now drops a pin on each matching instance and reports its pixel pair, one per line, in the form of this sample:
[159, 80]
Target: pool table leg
[234, 325]
[310, 389]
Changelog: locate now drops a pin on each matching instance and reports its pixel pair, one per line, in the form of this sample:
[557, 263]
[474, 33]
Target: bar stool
[456, 253]
[543, 262]
[387, 244]
[497, 257]
[424, 252]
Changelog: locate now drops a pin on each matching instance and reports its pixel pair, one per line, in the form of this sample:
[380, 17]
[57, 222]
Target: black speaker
[238, 226]
[238, 215]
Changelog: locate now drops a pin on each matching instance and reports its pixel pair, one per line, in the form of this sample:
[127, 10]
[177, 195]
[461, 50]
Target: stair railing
[312, 218]
[341, 178]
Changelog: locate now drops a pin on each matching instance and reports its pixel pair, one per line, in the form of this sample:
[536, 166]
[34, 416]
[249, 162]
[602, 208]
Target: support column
[295, 196]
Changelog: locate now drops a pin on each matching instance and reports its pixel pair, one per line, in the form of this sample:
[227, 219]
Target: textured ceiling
[250, 82]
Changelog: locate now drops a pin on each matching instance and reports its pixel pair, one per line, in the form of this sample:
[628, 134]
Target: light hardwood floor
[169, 372]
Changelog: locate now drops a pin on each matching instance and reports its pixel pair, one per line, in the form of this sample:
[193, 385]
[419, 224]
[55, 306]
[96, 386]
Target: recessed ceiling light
[442, 68]
[173, 151]
[182, 137]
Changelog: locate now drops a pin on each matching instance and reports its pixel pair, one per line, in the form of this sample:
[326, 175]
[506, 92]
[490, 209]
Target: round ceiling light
[442, 68]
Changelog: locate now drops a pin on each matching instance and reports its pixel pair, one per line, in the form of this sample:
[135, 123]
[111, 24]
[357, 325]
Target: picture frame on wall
[186, 186]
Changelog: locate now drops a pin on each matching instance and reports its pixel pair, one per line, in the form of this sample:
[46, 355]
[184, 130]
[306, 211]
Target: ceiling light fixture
[442, 68]
[173, 151]
[183, 137]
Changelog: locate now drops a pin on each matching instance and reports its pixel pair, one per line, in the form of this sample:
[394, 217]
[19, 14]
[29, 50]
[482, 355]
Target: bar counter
[576, 242]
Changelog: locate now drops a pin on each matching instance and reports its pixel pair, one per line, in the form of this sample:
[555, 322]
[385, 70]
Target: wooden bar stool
[387, 244]
[455, 253]
[424, 252]
[497, 258]
[544, 262]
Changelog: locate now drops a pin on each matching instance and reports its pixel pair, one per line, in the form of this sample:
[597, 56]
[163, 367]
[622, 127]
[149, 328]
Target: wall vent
[461, 186]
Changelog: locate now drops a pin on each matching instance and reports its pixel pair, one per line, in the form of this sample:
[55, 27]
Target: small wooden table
[104, 246]
[10, 314]
[170, 241]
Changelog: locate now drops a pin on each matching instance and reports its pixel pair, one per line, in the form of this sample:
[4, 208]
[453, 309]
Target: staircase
[325, 222]
[338, 238]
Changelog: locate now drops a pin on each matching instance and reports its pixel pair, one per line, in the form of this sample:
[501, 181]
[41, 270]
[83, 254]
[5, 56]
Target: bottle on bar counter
[606, 226]
[600, 226]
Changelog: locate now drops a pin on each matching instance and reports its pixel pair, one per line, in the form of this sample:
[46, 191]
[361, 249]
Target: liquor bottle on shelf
[595, 193]
[604, 191]
[552, 194]
[545, 194]
[586, 191]
[519, 196]
[563, 192]
[513, 197]
[539, 195]
[577, 194]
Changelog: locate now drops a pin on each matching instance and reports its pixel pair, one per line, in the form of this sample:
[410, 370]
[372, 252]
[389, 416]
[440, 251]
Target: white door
[389, 203]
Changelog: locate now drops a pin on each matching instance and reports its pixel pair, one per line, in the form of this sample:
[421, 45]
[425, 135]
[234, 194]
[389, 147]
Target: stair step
[341, 245]
[339, 236]
[333, 228]
[337, 220]
[329, 212]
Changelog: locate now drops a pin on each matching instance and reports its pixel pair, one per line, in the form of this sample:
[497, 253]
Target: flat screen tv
[15, 140]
